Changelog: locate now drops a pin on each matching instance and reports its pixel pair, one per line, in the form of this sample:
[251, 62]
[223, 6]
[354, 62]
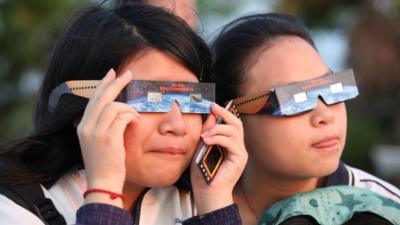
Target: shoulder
[12, 213]
[362, 179]
[67, 194]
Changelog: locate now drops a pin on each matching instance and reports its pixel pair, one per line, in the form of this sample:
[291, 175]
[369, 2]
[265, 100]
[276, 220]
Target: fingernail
[204, 134]
[109, 74]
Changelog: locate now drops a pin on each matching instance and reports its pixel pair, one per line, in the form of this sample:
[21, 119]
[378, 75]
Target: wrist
[110, 185]
[98, 195]
[101, 178]
[208, 202]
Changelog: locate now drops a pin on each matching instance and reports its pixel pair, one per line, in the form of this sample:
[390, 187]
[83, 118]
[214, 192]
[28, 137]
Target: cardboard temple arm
[82, 88]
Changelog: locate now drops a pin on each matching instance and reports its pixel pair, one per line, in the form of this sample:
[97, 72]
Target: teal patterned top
[332, 206]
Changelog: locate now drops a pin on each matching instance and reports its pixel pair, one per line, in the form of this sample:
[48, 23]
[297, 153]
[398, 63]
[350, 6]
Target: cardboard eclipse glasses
[146, 96]
[158, 96]
[295, 98]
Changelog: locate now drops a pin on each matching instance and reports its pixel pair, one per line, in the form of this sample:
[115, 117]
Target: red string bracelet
[112, 195]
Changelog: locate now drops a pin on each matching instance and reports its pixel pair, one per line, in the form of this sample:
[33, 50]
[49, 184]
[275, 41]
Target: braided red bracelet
[113, 195]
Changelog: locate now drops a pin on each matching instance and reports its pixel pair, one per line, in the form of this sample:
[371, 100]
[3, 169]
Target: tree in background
[375, 54]
[26, 29]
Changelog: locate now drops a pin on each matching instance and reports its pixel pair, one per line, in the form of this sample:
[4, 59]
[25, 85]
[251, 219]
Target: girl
[124, 162]
[287, 154]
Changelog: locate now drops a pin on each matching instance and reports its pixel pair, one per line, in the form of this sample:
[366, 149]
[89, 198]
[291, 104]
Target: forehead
[286, 59]
[153, 64]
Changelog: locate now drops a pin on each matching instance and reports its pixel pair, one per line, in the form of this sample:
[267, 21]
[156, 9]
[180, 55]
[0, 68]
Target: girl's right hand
[218, 193]
[100, 134]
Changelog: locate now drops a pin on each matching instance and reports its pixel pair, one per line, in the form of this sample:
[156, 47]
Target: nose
[173, 122]
[322, 114]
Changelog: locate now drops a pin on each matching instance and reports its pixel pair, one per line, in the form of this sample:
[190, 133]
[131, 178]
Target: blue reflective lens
[292, 108]
[327, 93]
[349, 92]
[163, 102]
[158, 96]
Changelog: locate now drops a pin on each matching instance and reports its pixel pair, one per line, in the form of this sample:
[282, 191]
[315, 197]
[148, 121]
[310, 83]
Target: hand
[100, 134]
[230, 136]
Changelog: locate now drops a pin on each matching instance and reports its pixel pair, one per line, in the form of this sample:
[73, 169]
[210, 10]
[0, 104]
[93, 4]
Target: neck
[131, 193]
[256, 192]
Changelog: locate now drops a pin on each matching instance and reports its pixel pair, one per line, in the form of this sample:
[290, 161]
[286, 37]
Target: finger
[210, 121]
[112, 90]
[110, 76]
[110, 112]
[224, 130]
[120, 123]
[108, 94]
[226, 116]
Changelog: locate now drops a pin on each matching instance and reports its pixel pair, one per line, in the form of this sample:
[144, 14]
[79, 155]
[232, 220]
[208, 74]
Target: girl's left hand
[229, 135]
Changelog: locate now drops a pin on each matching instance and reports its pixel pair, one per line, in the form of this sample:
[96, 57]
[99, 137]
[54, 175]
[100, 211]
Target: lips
[169, 151]
[327, 143]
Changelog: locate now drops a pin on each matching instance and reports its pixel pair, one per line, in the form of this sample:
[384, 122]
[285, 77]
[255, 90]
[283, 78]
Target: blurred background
[362, 34]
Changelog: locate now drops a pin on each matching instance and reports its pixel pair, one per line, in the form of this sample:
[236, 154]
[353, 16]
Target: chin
[162, 182]
[317, 170]
[153, 179]
[162, 178]
[327, 168]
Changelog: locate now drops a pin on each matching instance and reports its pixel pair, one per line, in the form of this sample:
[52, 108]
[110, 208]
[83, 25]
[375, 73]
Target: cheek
[259, 135]
[341, 120]
[136, 134]
[194, 126]
[343, 117]
[131, 138]
[273, 139]
[274, 131]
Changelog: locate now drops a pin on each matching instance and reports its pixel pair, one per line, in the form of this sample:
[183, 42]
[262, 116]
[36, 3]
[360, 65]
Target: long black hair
[97, 40]
[240, 39]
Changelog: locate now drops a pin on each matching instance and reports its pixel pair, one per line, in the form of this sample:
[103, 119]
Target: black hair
[240, 39]
[124, 2]
[97, 40]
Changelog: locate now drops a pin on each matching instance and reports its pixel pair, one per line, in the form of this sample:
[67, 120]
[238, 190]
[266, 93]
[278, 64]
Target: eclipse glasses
[284, 100]
[147, 96]
[298, 97]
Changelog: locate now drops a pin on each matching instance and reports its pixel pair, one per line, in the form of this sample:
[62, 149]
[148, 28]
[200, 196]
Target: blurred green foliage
[362, 135]
[27, 33]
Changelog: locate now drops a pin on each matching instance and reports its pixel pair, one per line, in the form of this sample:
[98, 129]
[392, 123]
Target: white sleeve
[13, 214]
[365, 180]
